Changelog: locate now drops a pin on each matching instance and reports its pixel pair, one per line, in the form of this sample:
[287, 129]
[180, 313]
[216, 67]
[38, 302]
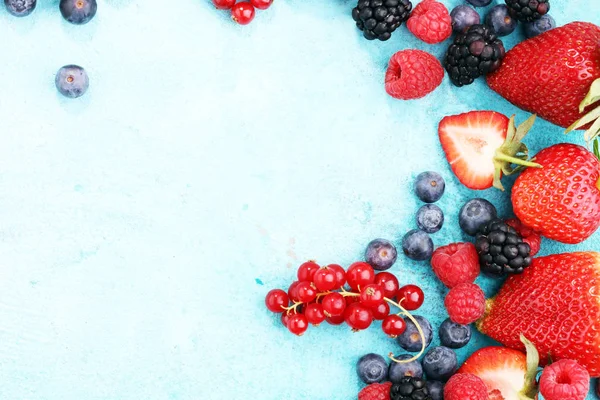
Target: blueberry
[463, 17]
[381, 254]
[429, 186]
[539, 26]
[20, 8]
[430, 218]
[372, 368]
[72, 81]
[454, 335]
[475, 213]
[410, 340]
[400, 370]
[440, 363]
[480, 3]
[500, 20]
[78, 12]
[417, 245]
[598, 387]
[436, 390]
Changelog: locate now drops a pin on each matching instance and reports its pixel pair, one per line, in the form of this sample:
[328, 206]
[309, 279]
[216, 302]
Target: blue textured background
[138, 222]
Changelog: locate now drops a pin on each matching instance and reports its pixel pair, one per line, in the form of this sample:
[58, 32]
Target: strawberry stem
[533, 360]
[593, 116]
[518, 161]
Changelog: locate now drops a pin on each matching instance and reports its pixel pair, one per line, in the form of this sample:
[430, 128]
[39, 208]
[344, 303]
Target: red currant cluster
[319, 295]
[243, 12]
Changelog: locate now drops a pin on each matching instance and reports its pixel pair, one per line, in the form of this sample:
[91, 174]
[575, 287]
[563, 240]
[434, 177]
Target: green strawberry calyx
[513, 151]
[593, 116]
[530, 388]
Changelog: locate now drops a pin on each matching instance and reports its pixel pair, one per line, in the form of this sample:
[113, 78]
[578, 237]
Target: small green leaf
[533, 361]
[592, 96]
[597, 148]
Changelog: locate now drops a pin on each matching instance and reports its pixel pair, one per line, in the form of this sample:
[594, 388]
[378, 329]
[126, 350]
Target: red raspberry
[565, 379]
[376, 391]
[465, 303]
[532, 238]
[465, 387]
[455, 264]
[412, 74]
[430, 22]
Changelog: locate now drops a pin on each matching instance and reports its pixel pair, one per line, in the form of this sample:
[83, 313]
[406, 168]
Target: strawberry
[561, 201]
[555, 303]
[503, 370]
[481, 145]
[550, 74]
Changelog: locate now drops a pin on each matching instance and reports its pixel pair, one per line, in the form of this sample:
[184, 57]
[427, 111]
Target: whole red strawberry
[561, 201]
[376, 391]
[555, 304]
[551, 74]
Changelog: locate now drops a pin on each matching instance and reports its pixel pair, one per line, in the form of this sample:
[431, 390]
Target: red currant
[314, 313]
[277, 299]
[333, 304]
[306, 292]
[358, 316]
[371, 295]
[389, 283]
[306, 271]
[297, 324]
[393, 326]
[324, 279]
[381, 311]
[360, 274]
[243, 13]
[410, 297]
[293, 291]
[224, 4]
[352, 299]
[337, 320]
[261, 4]
[340, 275]
[285, 317]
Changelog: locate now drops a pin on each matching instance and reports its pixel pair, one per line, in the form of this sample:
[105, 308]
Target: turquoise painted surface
[141, 226]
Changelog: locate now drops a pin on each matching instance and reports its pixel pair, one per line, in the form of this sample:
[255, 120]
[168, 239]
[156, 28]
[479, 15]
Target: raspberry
[376, 391]
[412, 74]
[455, 264]
[465, 303]
[465, 387]
[430, 21]
[533, 239]
[565, 379]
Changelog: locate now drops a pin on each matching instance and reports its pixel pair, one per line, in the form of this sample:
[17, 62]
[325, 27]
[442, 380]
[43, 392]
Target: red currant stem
[288, 309]
[346, 293]
[414, 321]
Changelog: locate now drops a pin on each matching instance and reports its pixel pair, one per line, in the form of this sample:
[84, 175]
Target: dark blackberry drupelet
[501, 249]
[528, 10]
[378, 19]
[410, 389]
[475, 53]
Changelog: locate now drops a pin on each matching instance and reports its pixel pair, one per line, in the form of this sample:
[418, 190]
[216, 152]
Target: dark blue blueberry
[475, 213]
[72, 81]
[372, 368]
[436, 390]
[463, 17]
[400, 370]
[429, 187]
[410, 340]
[480, 3]
[454, 335]
[598, 387]
[417, 245]
[78, 12]
[500, 20]
[430, 218]
[539, 26]
[381, 254]
[20, 8]
[440, 363]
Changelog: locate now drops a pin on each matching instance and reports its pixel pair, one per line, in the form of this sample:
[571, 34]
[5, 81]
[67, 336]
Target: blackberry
[410, 388]
[528, 10]
[378, 19]
[474, 53]
[501, 249]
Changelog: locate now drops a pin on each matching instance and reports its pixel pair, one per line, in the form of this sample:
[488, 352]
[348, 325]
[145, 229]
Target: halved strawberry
[482, 145]
[508, 374]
